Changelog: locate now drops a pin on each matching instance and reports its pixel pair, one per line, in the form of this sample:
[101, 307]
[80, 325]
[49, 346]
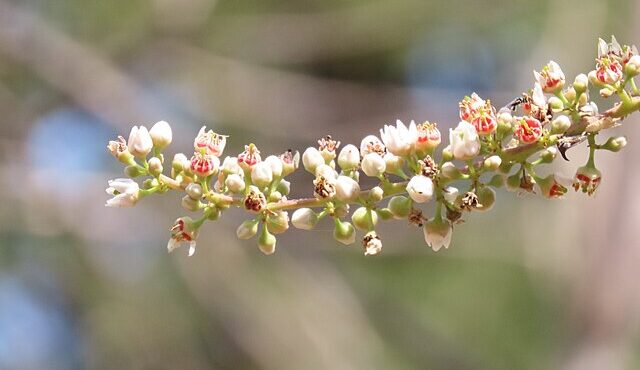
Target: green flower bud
[492, 163]
[284, 187]
[615, 144]
[180, 162]
[560, 125]
[134, 171]
[632, 68]
[266, 242]
[486, 198]
[376, 194]
[304, 218]
[497, 181]
[606, 92]
[190, 204]
[364, 219]
[275, 196]
[570, 94]
[548, 155]
[400, 206]
[278, 222]
[505, 167]
[344, 232]
[155, 166]
[447, 154]
[150, 183]
[581, 83]
[214, 213]
[556, 104]
[194, 191]
[384, 213]
[450, 171]
[247, 229]
[513, 182]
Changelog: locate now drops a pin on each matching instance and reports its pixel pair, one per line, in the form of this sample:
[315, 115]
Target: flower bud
[275, 196]
[304, 218]
[486, 198]
[140, 143]
[214, 213]
[492, 163]
[161, 134]
[632, 68]
[548, 155]
[593, 79]
[555, 104]
[235, 183]
[284, 187]
[194, 191]
[420, 189]
[150, 183]
[497, 181]
[344, 232]
[373, 165]
[560, 125]
[276, 165]
[311, 159]
[437, 233]
[606, 92]
[376, 194]
[134, 171]
[450, 171]
[364, 219]
[400, 207]
[393, 163]
[615, 144]
[384, 214]
[261, 174]
[180, 162]
[247, 229]
[372, 244]
[581, 83]
[190, 204]
[464, 141]
[450, 194]
[155, 166]
[347, 189]
[349, 157]
[266, 242]
[278, 222]
[327, 172]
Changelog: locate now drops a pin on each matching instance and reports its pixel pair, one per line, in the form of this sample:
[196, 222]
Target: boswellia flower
[140, 143]
[204, 165]
[290, 161]
[261, 174]
[608, 70]
[327, 147]
[551, 186]
[480, 113]
[400, 140]
[420, 188]
[587, 179]
[373, 165]
[249, 157]
[349, 157]
[161, 134]
[464, 143]
[437, 233]
[311, 159]
[118, 149]
[125, 193]
[212, 142]
[551, 77]
[528, 129]
[184, 231]
[372, 244]
[371, 144]
[428, 137]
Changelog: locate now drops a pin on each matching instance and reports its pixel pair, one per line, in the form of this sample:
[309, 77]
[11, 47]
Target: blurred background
[534, 284]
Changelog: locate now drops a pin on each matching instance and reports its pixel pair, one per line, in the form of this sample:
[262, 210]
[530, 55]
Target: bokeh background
[534, 284]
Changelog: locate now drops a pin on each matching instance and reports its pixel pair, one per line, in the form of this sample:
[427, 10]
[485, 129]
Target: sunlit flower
[420, 188]
[327, 147]
[125, 193]
[249, 157]
[209, 141]
[528, 129]
[587, 179]
[551, 77]
[428, 137]
[371, 144]
[161, 134]
[373, 165]
[204, 165]
[140, 143]
[464, 141]
[608, 70]
[290, 161]
[184, 231]
[311, 159]
[399, 140]
[349, 157]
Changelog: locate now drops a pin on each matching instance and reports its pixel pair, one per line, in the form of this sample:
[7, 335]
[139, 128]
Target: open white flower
[551, 78]
[371, 144]
[125, 193]
[140, 143]
[437, 233]
[420, 188]
[400, 140]
[464, 141]
[184, 231]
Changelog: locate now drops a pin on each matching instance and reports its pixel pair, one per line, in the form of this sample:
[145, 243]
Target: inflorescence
[488, 149]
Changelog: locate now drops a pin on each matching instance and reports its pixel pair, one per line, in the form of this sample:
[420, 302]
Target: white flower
[140, 143]
[209, 141]
[261, 174]
[327, 172]
[420, 188]
[180, 162]
[235, 183]
[371, 144]
[204, 165]
[393, 163]
[184, 231]
[464, 141]
[551, 77]
[373, 165]
[347, 189]
[276, 165]
[437, 233]
[400, 140]
[230, 165]
[492, 163]
[349, 157]
[450, 194]
[372, 244]
[161, 134]
[304, 218]
[125, 193]
[311, 159]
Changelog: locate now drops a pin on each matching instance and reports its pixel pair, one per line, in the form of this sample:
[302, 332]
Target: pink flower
[210, 142]
[183, 231]
[608, 70]
[428, 137]
[204, 165]
[249, 157]
[587, 179]
[528, 130]
[551, 77]
[480, 113]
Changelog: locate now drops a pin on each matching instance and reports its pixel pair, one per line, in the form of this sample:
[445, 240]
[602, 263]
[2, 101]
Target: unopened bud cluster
[419, 180]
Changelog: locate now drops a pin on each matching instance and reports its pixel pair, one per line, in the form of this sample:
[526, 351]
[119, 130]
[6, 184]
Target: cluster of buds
[487, 149]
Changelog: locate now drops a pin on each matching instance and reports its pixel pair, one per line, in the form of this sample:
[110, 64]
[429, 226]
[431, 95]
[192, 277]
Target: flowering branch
[488, 149]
